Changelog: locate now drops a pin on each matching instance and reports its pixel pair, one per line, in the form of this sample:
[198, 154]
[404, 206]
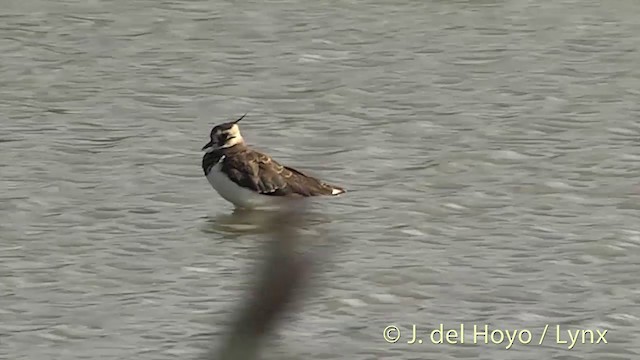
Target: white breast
[235, 194]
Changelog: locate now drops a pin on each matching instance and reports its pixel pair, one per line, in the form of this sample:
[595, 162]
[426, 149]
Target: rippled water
[491, 149]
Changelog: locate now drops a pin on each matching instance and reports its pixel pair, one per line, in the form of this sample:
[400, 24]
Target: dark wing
[260, 173]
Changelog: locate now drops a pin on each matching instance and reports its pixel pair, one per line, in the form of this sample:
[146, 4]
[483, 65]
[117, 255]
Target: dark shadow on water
[282, 281]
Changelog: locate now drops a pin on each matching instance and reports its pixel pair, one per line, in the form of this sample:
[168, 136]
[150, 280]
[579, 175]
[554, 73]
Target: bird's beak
[208, 147]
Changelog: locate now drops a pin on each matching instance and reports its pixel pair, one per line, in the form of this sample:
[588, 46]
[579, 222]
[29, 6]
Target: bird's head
[224, 136]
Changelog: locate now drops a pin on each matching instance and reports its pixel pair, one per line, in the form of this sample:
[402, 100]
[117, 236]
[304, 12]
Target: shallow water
[490, 149]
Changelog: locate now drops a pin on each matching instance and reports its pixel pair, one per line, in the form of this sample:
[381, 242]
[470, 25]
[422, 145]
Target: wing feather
[264, 175]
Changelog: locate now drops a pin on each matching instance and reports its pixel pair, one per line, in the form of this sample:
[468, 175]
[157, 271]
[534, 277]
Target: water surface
[490, 149]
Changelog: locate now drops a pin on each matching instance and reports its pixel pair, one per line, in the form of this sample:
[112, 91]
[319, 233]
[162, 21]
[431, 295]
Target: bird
[250, 179]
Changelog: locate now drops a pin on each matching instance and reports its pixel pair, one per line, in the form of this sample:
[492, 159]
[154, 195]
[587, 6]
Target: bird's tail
[336, 190]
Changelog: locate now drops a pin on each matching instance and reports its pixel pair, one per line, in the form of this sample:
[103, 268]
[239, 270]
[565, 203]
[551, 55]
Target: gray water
[490, 149]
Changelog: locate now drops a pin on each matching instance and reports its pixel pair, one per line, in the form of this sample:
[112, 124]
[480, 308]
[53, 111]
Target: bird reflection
[278, 287]
[253, 221]
[239, 222]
